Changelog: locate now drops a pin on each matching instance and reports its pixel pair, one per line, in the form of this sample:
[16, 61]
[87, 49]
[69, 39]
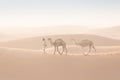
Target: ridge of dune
[36, 42]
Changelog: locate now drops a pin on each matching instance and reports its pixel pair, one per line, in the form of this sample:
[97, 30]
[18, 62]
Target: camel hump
[59, 41]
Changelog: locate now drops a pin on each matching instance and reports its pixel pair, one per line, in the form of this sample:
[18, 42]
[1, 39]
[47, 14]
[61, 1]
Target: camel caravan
[61, 43]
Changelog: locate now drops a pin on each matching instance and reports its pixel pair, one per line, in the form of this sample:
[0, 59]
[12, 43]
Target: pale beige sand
[17, 64]
[100, 50]
[112, 32]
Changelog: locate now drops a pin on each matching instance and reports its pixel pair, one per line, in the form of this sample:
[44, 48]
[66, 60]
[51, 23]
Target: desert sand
[112, 32]
[24, 60]
[87, 31]
[20, 64]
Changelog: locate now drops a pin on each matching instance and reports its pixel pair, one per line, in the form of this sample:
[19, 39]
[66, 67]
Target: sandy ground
[17, 64]
[100, 50]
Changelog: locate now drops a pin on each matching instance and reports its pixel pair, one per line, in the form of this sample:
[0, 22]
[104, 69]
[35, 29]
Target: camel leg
[94, 48]
[59, 51]
[89, 49]
[44, 50]
[66, 50]
[54, 50]
[63, 50]
[82, 50]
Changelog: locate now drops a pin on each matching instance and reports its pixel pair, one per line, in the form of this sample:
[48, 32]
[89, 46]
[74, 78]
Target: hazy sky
[36, 13]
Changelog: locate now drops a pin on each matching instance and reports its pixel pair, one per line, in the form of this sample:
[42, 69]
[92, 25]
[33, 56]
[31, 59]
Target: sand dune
[17, 64]
[72, 50]
[7, 36]
[13, 33]
[112, 32]
[24, 60]
[36, 42]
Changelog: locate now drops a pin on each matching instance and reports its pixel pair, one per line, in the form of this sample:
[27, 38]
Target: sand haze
[59, 40]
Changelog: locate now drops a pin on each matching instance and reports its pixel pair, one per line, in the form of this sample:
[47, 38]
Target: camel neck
[76, 42]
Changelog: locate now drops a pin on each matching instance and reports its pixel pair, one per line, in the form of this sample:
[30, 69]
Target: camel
[57, 43]
[44, 45]
[86, 43]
